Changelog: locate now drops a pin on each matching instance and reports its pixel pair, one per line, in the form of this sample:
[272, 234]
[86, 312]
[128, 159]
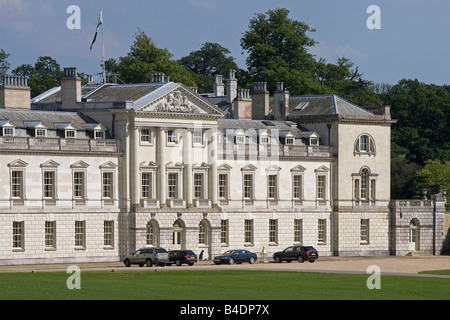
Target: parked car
[182, 256]
[299, 253]
[148, 256]
[236, 256]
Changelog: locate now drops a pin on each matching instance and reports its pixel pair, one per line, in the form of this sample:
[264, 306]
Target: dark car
[148, 256]
[299, 253]
[236, 256]
[182, 256]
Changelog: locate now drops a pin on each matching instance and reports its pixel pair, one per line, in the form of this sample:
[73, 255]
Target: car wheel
[312, 261]
[288, 261]
[190, 264]
[231, 261]
[178, 262]
[141, 265]
[277, 259]
[217, 263]
[127, 263]
[252, 260]
[300, 259]
[149, 262]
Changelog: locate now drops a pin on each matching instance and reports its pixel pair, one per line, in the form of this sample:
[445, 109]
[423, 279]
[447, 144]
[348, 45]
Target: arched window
[152, 232]
[203, 231]
[364, 185]
[365, 144]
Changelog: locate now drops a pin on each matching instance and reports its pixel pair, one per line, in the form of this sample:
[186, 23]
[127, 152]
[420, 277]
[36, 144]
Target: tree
[145, 58]
[277, 48]
[209, 60]
[4, 64]
[44, 75]
[423, 113]
[433, 177]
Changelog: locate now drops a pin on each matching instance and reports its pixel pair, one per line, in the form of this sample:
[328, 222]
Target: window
[80, 234]
[107, 185]
[273, 231]
[364, 231]
[365, 144]
[50, 234]
[289, 141]
[272, 186]
[248, 231]
[18, 235]
[145, 136]
[99, 135]
[70, 134]
[198, 185]
[151, 233]
[198, 137]
[40, 133]
[364, 184]
[248, 186]
[224, 231]
[321, 187]
[8, 131]
[78, 185]
[172, 185]
[297, 186]
[321, 236]
[240, 139]
[108, 233]
[264, 140]
[203, 233]
[298, 230]
[146, 184]
[17, 184]
[49, 185]
[313, 141]
[171, 137]
[223, 186]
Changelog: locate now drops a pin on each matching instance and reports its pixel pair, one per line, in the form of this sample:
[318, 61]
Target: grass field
[218, 285]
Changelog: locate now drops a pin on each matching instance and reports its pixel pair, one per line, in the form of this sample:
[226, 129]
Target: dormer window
[8, 132]
[313, 142]
[70, 134]
[289, 141]
[40, 133]
[99, 134]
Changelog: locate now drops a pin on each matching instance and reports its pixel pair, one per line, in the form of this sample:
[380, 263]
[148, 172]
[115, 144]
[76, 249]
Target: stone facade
[162, 165]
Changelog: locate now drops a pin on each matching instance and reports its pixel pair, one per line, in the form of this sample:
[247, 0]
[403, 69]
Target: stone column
[212, 155]
[187, 159]
[161, 176]
[135, 174]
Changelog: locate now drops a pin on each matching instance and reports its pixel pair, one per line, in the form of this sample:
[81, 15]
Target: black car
[238, 256]
[299, 253]
[182, 256]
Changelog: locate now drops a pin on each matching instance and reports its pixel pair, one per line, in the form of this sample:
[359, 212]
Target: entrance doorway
[178, 241]
[414, 235]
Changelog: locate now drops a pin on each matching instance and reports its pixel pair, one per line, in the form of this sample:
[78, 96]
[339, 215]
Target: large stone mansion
[90, 173]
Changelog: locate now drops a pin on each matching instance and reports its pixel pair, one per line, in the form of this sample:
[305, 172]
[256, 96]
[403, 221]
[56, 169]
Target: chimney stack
[219, 87]
[231, 87]
[15, 93]
[260, 97]
[70, 89]
[281, 102]
[242, 105]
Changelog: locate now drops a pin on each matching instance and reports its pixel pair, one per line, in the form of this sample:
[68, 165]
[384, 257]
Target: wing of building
[93, 172]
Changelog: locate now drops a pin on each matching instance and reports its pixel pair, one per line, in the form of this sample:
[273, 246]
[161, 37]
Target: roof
[51, 119]
[324, 105]
[283, 127]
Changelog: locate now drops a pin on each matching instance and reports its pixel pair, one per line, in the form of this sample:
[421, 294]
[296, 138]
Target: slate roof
[258, 125]
[50, 119]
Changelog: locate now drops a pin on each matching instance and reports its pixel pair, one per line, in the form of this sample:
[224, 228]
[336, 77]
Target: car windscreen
[229, 252]
[190, 253]
[310, 248]
[161, 250]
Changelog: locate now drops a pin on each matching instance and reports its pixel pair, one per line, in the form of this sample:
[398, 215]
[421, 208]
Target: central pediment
[178, 100]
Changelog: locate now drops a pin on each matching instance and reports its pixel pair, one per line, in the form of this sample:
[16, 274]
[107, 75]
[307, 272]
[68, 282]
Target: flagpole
[103, 51]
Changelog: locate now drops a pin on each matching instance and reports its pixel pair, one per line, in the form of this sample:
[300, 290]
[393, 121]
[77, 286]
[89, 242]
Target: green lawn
[218, 285]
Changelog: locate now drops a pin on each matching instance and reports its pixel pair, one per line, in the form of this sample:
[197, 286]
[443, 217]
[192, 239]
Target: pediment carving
[175, 102]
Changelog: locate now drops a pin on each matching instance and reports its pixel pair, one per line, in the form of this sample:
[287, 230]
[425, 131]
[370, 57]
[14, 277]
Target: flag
[100, 21]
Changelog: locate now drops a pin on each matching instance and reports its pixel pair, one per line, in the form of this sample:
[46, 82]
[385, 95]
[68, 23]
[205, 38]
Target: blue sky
[413, 42]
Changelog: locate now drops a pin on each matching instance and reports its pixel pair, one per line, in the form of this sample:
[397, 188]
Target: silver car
[148, 256]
